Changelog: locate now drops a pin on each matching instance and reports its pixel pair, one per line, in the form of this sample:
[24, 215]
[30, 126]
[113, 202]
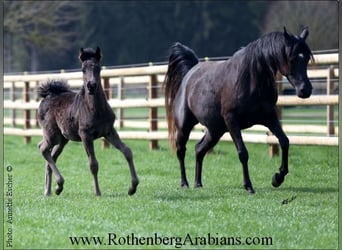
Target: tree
[320, 16]
[38, 26]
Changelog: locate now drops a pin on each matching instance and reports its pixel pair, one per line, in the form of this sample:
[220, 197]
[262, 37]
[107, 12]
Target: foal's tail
[53, 88]
[181, 60]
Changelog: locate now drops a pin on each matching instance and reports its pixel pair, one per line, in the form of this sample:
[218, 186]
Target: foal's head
[91, 68]
[298, 55]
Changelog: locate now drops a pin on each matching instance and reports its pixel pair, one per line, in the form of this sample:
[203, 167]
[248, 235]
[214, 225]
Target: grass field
[301, 214]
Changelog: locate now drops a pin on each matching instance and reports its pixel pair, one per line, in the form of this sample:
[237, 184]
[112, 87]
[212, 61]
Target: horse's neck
[257, 75]
[95, 102]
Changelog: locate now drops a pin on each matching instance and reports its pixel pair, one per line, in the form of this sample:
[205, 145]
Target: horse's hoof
[59, 189]
[47, 194]
[184, 185]
[198, 185]
[249, 189]
[133, 188]
[277, 180]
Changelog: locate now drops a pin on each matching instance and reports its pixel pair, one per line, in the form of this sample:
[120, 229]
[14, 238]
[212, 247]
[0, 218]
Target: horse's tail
[181, 60]
[53, 87]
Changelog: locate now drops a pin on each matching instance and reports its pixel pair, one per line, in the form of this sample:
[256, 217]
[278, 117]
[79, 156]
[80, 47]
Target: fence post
[273, 149]
[330, 108]
[121, 96]
[36, 98]
[27, 120]
[105, 143]
[13, 98]
[153, 111]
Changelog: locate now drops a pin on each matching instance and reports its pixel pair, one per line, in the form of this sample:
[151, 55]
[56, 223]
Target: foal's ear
[304, 33]
[98, 53]
[81, 55]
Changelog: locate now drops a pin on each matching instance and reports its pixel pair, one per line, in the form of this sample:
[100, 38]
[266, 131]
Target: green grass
[160, 206]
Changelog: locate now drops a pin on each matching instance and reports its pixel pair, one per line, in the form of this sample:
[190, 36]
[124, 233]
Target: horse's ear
[81, 57]
[98, 53]
[304, 33]
[288, 37]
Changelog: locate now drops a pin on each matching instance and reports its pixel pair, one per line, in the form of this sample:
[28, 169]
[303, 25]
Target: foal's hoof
[133, 188]
[47, 193]
[59, 187]
[277, 180]
[249, 189]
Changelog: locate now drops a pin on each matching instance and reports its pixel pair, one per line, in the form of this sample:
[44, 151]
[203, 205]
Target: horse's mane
[264, 57]
[53, 87]
[260, 63]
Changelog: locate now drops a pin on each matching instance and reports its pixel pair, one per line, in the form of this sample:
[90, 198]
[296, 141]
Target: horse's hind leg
[45, 149]
[56, 151]
[115, 140]
[182, 138]
[207, 142]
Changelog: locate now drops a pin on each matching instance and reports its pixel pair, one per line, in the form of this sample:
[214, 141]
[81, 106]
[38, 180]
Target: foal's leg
[208, 141]
[56, 151]
[235, 133]
[45, 149]
[276, 129]
[115, 140]
[93, 164]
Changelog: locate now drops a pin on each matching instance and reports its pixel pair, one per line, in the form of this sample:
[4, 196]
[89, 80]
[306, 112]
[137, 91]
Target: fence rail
[21, 103]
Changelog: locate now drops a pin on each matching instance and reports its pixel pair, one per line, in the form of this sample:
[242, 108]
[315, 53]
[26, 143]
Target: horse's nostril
[304, 93]
[91, 87]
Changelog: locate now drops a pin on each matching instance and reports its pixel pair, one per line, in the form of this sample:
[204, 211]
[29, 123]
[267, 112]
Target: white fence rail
[21, 102]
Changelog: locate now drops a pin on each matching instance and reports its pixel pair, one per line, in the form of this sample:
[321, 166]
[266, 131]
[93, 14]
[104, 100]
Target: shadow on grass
[311, 190]
[232, 192]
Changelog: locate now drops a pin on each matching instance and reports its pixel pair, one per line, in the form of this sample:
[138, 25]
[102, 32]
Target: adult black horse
[233, 95]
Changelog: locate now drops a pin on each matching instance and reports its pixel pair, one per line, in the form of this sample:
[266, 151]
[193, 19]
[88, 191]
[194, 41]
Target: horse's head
[91, 68]
[298, 55]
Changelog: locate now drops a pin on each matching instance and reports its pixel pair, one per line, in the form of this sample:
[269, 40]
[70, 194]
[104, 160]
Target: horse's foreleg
[235, 133]
[208, 141]
[93, 164]
[45, 148]
[277, 130]
[115, 140]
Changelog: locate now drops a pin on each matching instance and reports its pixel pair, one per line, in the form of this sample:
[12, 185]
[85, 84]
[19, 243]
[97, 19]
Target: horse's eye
[300, 55]
[83, 70]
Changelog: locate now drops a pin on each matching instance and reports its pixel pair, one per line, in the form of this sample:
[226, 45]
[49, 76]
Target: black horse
[233, 95]
[83, 116]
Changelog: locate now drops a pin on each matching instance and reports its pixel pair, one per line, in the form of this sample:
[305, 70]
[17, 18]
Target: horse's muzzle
[91, 87]
[304, 91]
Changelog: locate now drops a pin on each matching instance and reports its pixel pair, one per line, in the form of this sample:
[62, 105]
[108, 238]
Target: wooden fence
[138, 90]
